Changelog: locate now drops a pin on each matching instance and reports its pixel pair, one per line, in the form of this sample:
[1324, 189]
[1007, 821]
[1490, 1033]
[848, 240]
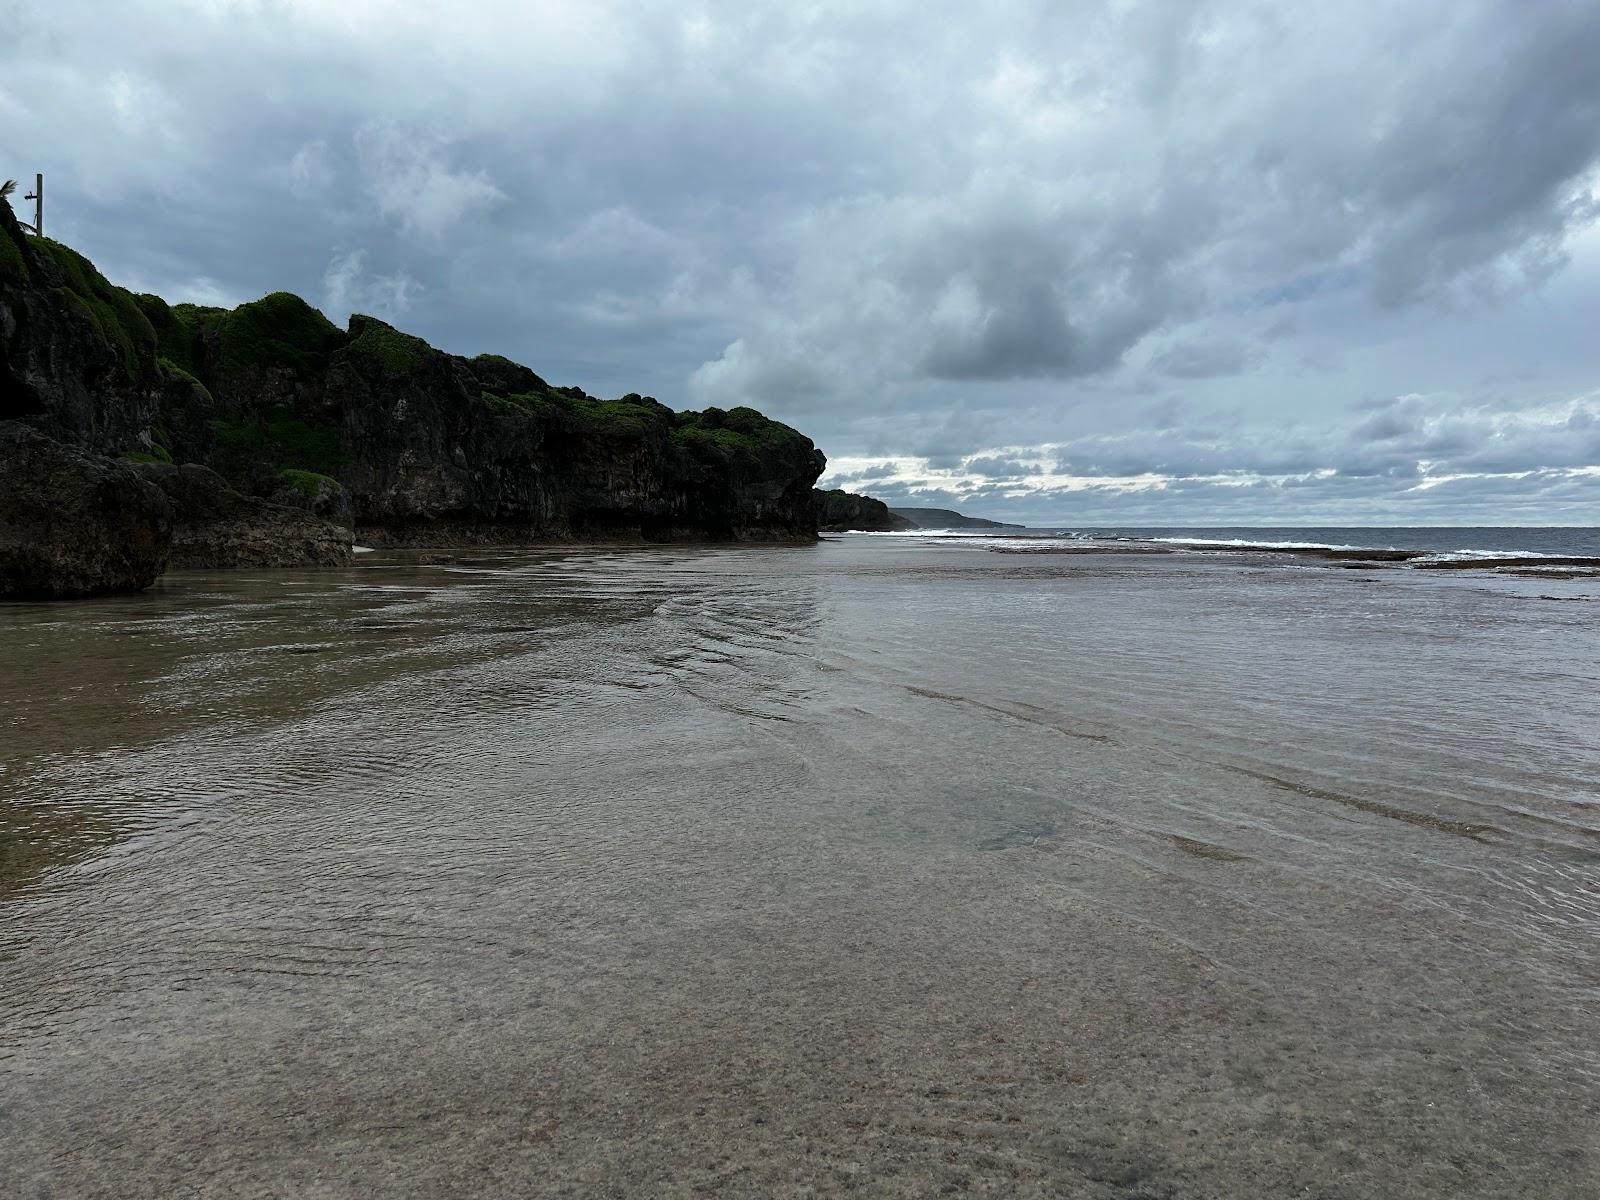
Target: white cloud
[349, 287]
[407, 175]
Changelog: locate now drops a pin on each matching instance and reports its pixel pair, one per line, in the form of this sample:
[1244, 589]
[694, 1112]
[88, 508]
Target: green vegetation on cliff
[736, 429]
[376, 342]
[632, 416]
[308, 483]
[274, 396]
[281, 441]
[280, 331]
[115, 314]
[11, 257]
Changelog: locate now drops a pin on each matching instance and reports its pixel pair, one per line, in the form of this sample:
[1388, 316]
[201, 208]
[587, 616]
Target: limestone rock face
[375, 428]
[839, 511]
[217, 527]
[439, 449]
[75, 524]
[372, 427]
[77, 357]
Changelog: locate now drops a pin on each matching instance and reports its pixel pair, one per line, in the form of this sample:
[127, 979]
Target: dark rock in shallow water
[75, 524]
[217, 527]
[318, 495]
[839, 511]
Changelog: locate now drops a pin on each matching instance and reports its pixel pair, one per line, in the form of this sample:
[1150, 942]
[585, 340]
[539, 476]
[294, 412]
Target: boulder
[217, 527]
[319, 495]
[73, 523]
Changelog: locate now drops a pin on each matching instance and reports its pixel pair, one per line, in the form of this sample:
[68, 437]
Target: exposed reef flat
[1530, 563]
[1105, 548]
[1546, 566]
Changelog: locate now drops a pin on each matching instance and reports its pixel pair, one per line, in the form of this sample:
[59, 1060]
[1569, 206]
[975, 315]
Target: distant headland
[945, 518]
[845, 512]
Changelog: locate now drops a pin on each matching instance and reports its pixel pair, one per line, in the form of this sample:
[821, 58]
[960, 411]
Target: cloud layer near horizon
[1163, 261]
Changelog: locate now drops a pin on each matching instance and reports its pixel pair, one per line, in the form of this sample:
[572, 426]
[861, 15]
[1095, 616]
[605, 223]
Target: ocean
[1479, 541]
[890, 865]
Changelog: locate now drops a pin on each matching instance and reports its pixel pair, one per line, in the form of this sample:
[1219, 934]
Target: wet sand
[870, 867]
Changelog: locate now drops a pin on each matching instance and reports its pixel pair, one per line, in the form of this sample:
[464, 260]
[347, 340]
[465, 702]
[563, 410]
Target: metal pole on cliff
[37, 196]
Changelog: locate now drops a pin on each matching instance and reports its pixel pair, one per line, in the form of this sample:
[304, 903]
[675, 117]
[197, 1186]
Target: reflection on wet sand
[868, 866]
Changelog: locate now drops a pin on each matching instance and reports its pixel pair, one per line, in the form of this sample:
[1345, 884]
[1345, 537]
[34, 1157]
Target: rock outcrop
[839, 511]
[77, 357]
[945, 518]
[73, 523]
[372, 427]
[217, 527]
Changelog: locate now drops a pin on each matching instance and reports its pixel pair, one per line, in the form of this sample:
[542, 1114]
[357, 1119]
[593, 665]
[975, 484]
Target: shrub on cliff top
[383, 344]
[500, 376]
[630, 416]
[278, 330]
[734, 429]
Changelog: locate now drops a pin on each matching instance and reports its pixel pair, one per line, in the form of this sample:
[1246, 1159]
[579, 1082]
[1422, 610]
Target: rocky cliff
[370, 425]
[839, 511]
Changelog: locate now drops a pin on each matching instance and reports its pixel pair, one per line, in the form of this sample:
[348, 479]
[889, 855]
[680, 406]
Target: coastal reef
[302, 426]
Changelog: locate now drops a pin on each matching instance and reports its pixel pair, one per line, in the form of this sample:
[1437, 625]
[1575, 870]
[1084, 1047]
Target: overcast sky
[1116, 262]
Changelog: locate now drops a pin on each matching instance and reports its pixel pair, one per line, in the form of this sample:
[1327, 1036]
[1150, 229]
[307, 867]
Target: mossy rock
[736, 429]
[515, 405]
[11, 261]
[156, 454]
[182, 331]
[114, 313]
[308, 483]
[279, 330]
[502, 376]
[282, 441]
[381, 344]
[173, 371]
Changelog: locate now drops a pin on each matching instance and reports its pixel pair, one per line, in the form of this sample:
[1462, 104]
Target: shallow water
[883, 865]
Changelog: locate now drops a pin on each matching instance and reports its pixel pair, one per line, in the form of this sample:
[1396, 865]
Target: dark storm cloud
[1003, 231]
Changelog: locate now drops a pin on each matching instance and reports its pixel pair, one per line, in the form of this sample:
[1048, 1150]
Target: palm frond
[7, 188]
